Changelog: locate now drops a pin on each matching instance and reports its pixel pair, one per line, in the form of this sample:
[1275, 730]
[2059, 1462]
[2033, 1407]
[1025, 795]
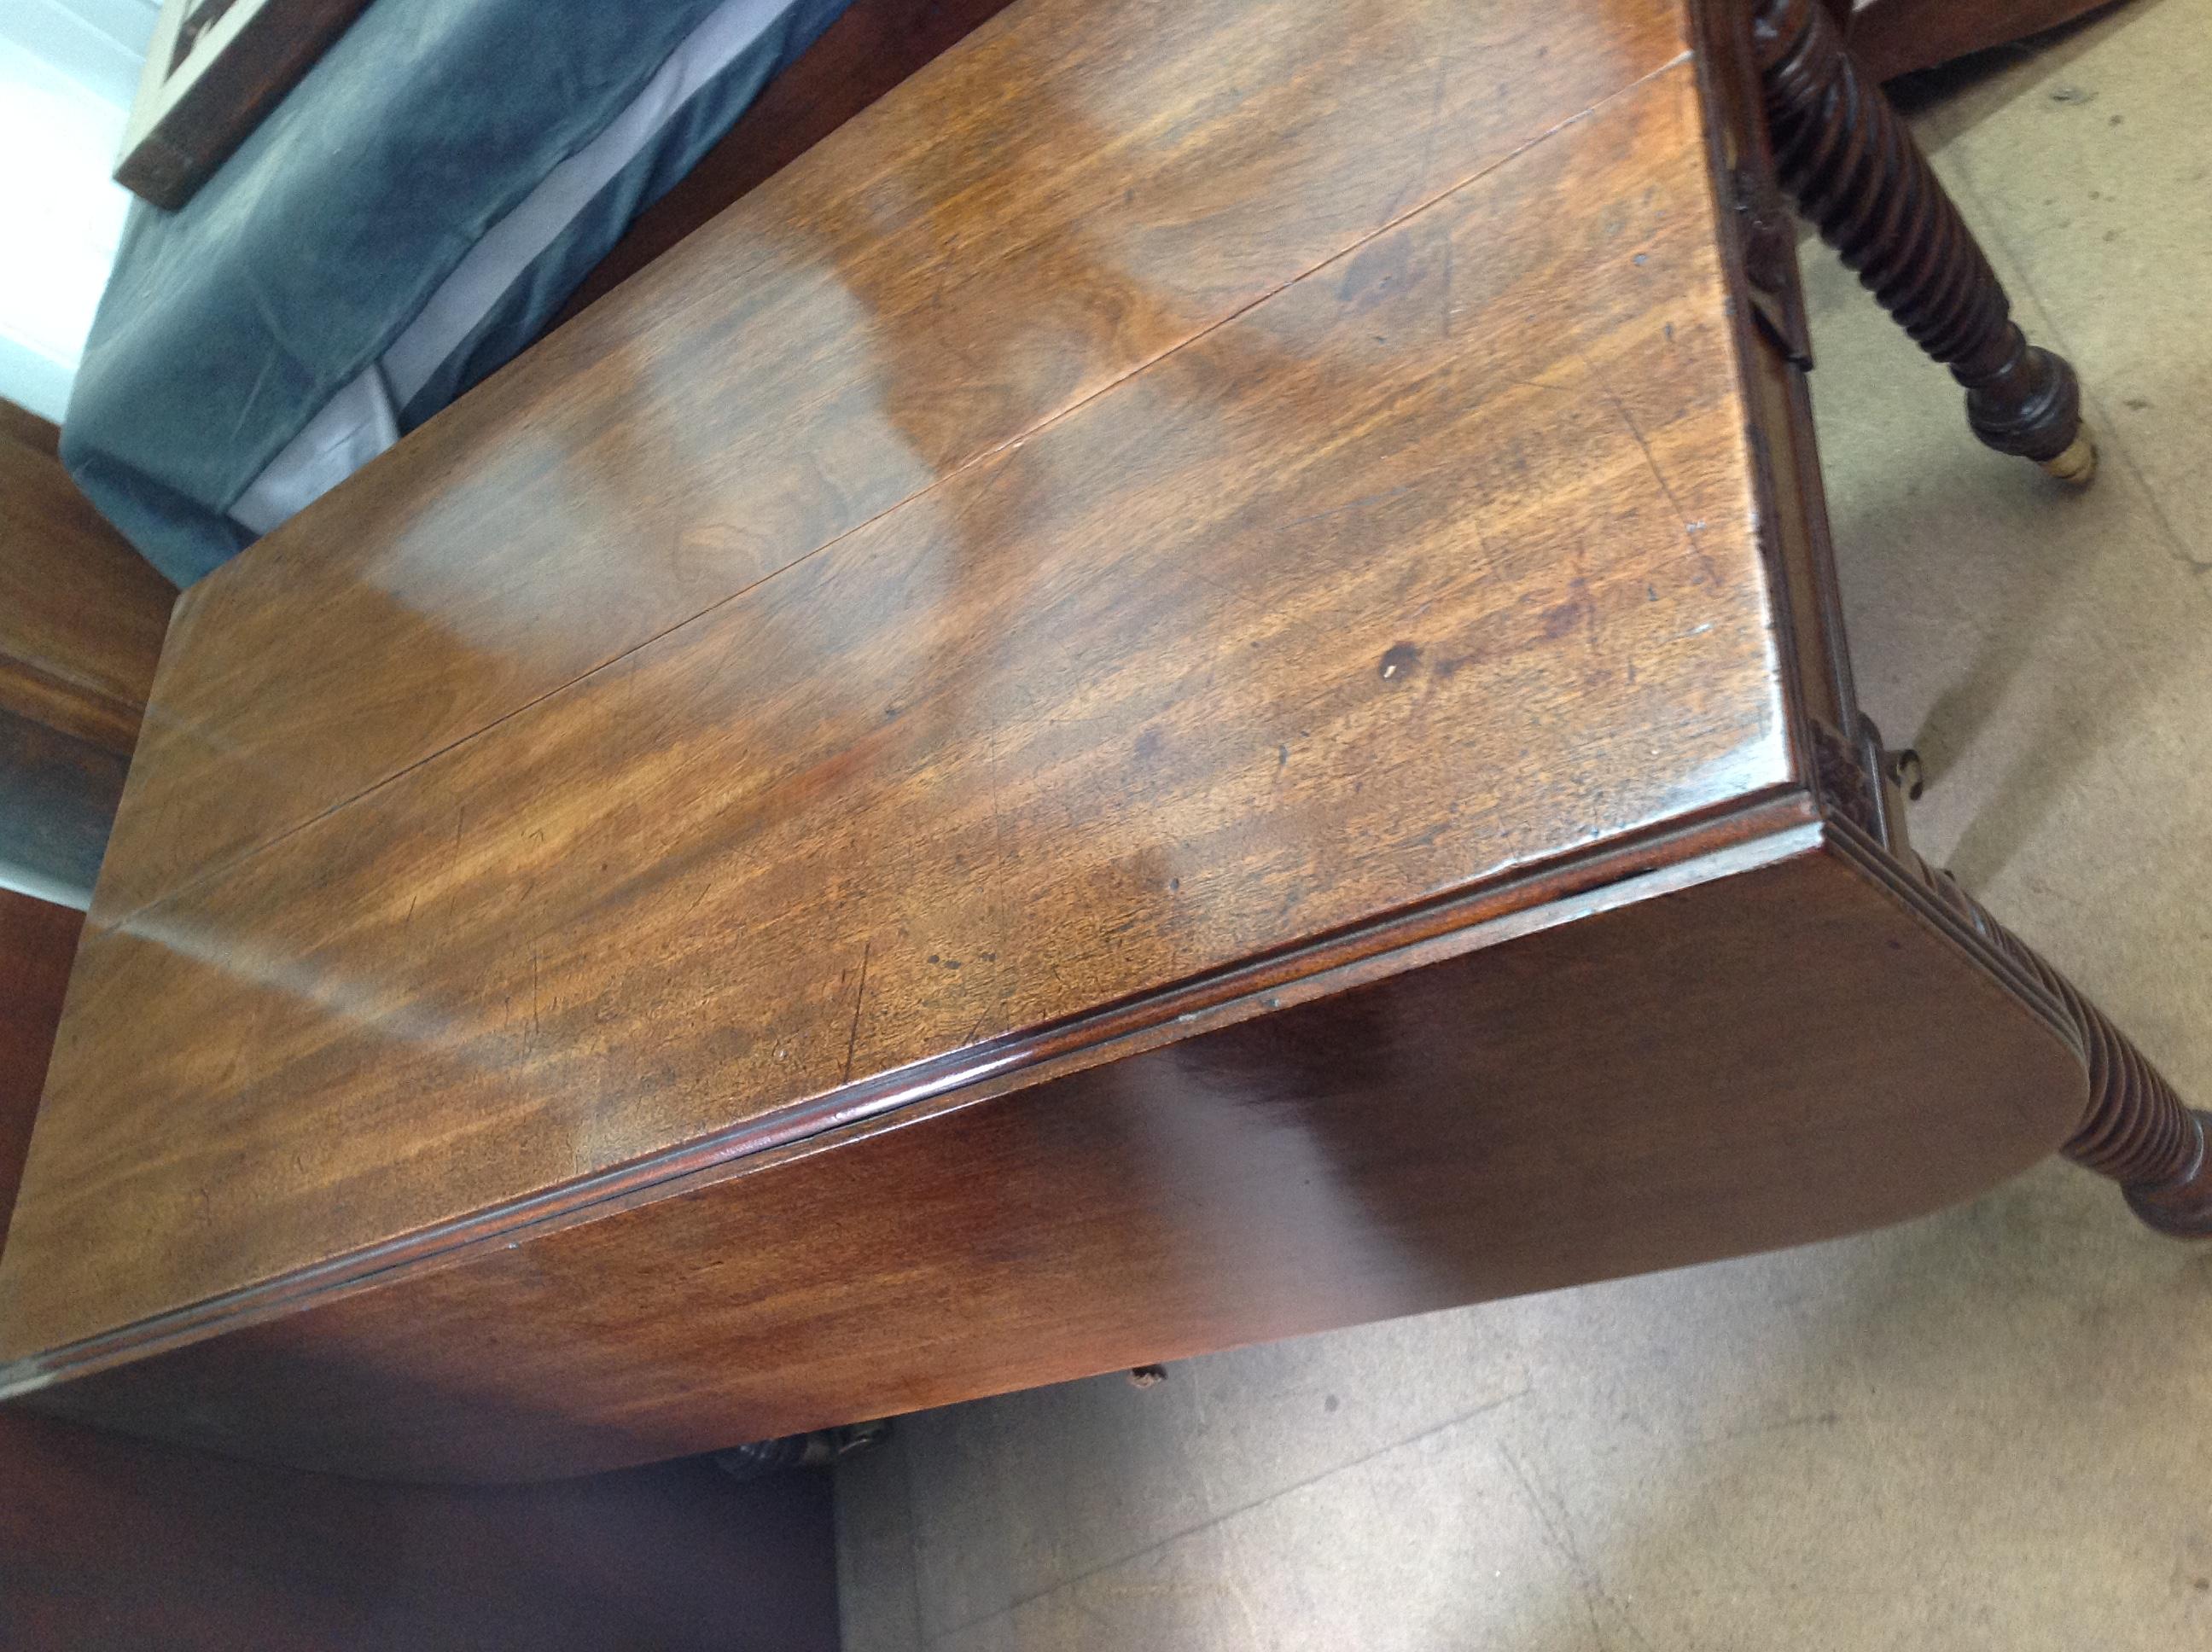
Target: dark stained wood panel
[1400, 580]
[1229, 755]
[38, 940]
[1757, 1046]
[1082, 187]
[81, 614]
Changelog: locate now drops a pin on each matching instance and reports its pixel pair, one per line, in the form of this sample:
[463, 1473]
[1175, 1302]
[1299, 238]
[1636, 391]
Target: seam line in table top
[208, 874]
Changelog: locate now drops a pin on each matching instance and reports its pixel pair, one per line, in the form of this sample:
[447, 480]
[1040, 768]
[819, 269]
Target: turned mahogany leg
[2136, 1130]
[1852, 164]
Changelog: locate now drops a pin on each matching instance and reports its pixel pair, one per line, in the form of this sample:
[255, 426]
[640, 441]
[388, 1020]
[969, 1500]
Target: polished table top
[1168, 493]
[969, 585]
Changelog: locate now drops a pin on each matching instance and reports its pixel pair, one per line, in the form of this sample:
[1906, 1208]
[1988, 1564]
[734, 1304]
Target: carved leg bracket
[1850, 163]
[2136, 1130]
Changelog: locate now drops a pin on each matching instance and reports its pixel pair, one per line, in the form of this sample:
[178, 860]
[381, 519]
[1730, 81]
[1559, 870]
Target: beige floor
[1991, 1429]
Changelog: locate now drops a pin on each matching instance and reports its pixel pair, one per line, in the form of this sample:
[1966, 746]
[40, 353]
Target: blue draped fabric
[226, 324]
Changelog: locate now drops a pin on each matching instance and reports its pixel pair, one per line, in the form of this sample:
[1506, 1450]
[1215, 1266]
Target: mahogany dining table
[1186, 687]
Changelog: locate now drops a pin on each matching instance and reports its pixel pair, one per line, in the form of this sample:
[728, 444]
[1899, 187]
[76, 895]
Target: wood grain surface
[81, 614]
[83, 617]
[1160, 698]
[1760, 1045]
[1083, 187]
[1404, 578]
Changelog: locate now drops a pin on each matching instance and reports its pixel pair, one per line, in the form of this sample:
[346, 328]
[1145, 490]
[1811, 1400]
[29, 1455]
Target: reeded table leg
[1848, 160]
[2136, 1130]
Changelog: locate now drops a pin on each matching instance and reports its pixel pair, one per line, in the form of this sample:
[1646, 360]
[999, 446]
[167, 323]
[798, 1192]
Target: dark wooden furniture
[1888, 38]
[1186, 687]
[1852, 166]
[38, 942]
[81, 620]
[213, 70]
[106, 1541]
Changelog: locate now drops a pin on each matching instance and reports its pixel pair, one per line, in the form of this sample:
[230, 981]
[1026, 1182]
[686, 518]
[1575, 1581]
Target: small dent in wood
[1399, 660]
[1378, 267]
[1562, 617]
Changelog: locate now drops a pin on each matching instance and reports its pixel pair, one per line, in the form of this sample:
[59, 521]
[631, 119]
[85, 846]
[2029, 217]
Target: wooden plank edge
[1850, 842]
[1757, 829]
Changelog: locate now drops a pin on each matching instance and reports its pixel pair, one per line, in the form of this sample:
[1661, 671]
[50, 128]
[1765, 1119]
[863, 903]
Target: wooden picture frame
[213, 70]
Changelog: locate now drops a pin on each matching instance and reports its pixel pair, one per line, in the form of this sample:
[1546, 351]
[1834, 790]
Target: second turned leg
[1852, 166]
[2135, 1131]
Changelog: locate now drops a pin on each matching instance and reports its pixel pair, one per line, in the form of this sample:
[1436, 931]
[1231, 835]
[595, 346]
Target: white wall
[69, 71]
